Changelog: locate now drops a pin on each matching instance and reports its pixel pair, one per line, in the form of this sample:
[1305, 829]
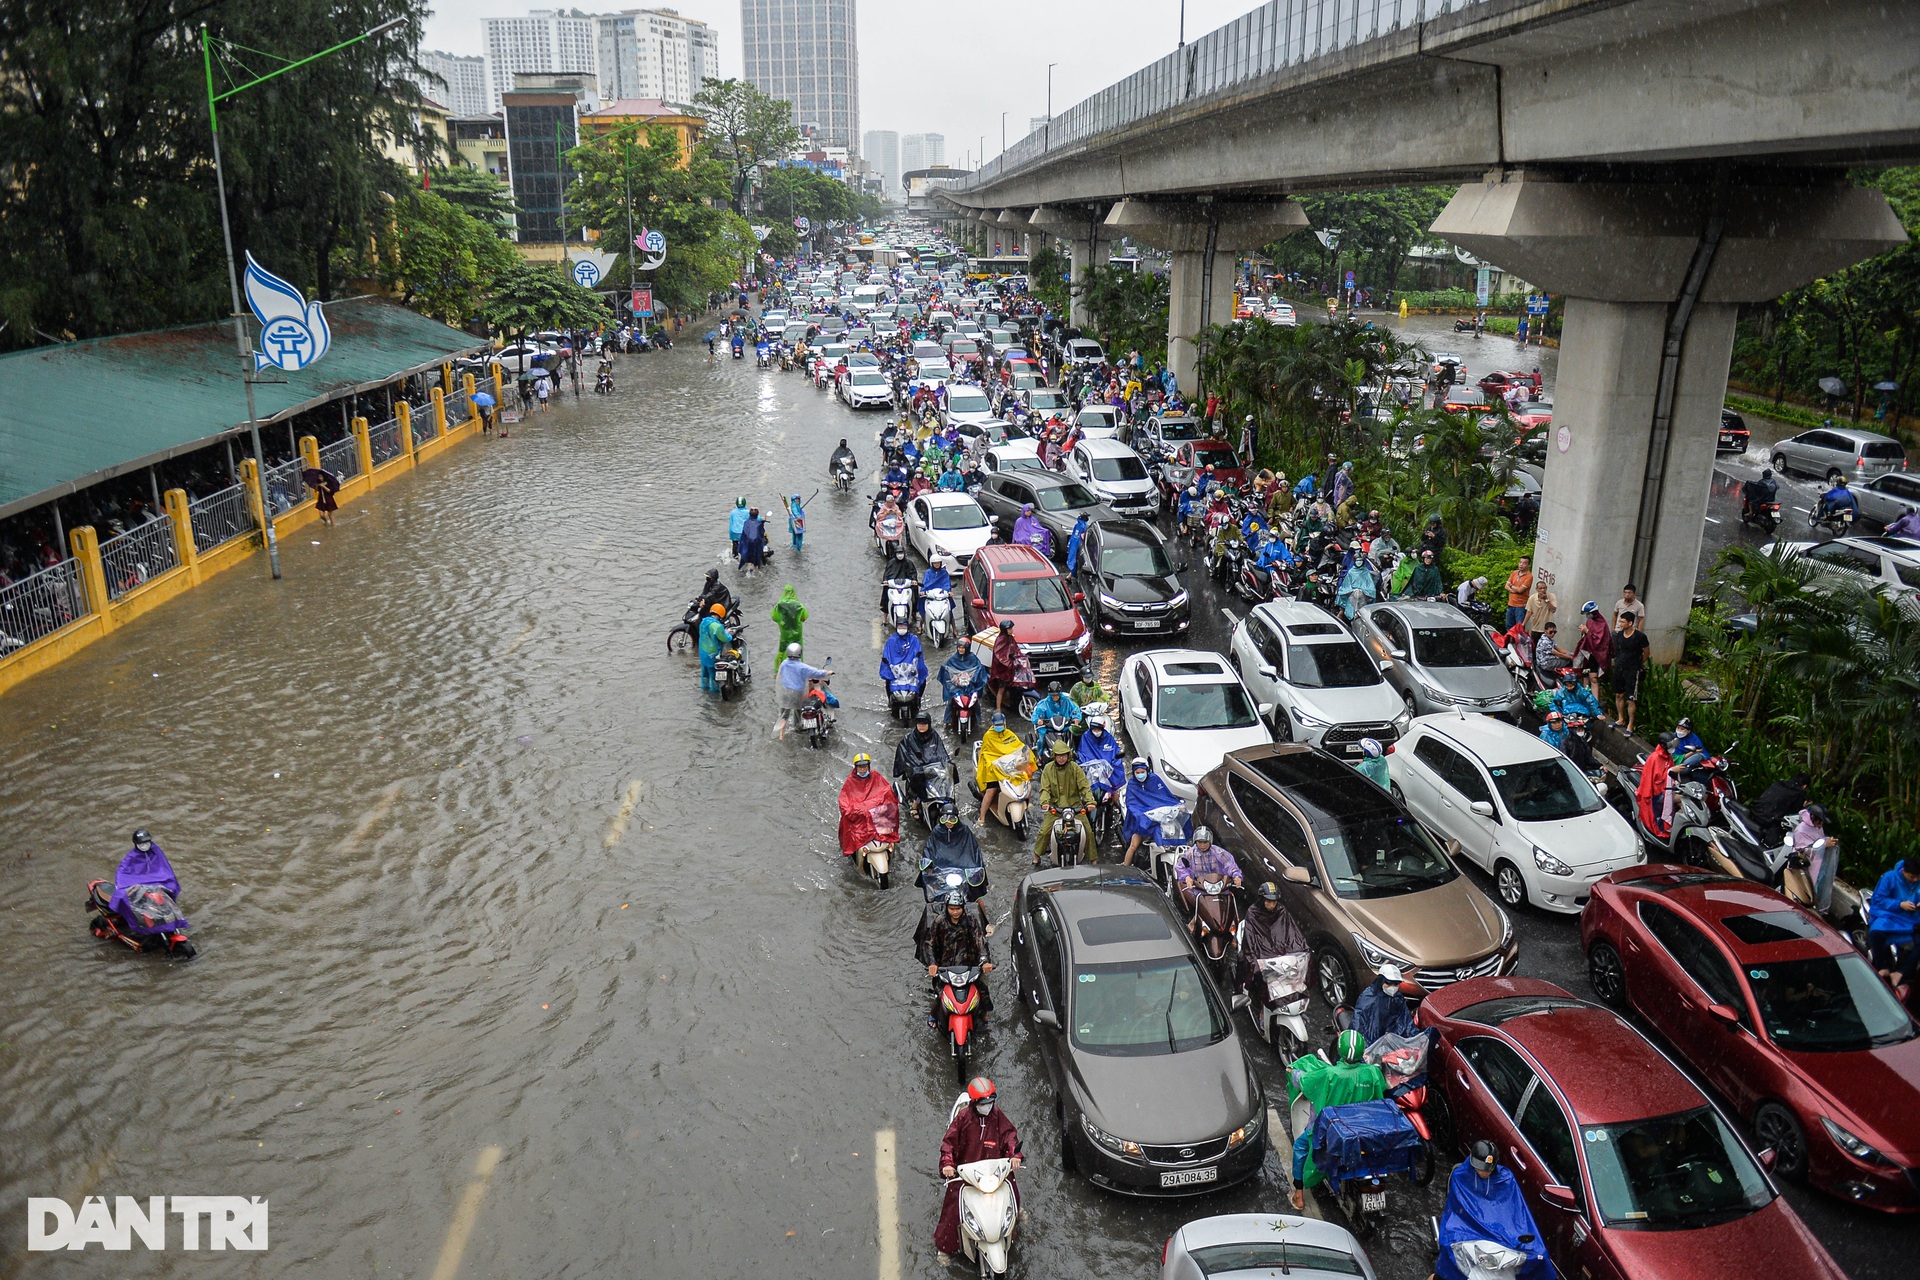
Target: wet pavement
[478, 874]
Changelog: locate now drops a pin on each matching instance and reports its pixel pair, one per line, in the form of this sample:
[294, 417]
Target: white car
[1281, 313]
[935, 373]
[1520, 810]
[1098, 422]
[1117, 474]
[1084, 351]
[1325, 689]
[947, 528]
[1184, 709]
[867, 388]
[771, 320]
[967, 406]
[1013, 455]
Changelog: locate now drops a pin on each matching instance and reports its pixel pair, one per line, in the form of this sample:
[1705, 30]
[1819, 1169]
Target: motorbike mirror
[1138, 713]
[1767, 1157]
[1266, 669]
[1047, 1018]
[1453, 848]
[1560, 1198]
[1724, 1012]
[1481, 808]
[1241, 1000]
[1297, 875]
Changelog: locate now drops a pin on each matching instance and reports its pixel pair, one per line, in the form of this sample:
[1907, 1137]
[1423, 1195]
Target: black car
[1059, 501]
[1734, 435]
[1131, 581]
[1153, 1092]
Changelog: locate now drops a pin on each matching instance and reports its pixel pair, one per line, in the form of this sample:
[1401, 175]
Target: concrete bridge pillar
[1012, 225]
[1653, 274]
[1206, 240]
[1089, 244]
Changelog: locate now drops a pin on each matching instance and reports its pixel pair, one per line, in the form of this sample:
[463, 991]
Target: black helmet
[1269, 892]
[923, 718]
[955, 898]
[1483, 1156]
[1053, 686]
[1818, 812]
[142, 836]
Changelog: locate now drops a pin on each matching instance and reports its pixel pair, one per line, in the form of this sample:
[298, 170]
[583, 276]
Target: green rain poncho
[1331, 1084]
[788, 614]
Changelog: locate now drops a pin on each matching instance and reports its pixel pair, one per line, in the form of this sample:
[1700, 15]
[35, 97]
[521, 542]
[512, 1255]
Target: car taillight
[1859, 462]
[1164, 1246]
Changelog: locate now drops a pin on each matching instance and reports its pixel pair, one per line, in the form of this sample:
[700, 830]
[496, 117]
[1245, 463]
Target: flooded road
[481, 881]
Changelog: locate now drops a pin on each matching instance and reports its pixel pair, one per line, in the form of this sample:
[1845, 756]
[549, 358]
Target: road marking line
[1276, 1125]
[878, 632]
[466, 1215]
[1711, 520]
[886, 1185]
[372, 817]
[518, 641]
[619, 826]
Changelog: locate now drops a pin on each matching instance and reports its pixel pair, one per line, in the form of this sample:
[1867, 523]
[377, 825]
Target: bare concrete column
[1088, 245]
[1085, 254]
[1192, 306]
[1653, 274]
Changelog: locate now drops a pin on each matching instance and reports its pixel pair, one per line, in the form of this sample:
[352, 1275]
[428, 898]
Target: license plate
[1147, 625]
[1189, 1177]
[1373, 1201]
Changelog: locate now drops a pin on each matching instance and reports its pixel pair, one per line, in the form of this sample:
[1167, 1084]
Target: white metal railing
[138, 555]
[342, 457]
[1279, 34]
[385, 441]
[220, 517]
[38, 605]
[284, 491]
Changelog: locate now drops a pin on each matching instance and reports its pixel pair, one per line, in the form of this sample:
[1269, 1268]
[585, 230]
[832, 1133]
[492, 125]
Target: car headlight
[1247, 1132]
[1402, 721]
[1852, 1145]
[1375, 957]
[1436, 695]
[1309, 722]
[1107, 1140]
[1178, 600]
[1550, 864]
[1506, 928]
[1175, 774]
[1109, 601]
[1084, 643]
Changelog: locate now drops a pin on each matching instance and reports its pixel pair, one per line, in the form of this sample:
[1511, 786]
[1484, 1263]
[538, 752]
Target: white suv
[1325, 689]
[1118, 475]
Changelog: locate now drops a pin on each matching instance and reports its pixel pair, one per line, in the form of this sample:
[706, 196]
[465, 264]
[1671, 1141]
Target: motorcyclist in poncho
[869, 809]
[145, 866]
[1318, 1084]
[953, 848]
[920, 754]
[903, 651]
[1147, 791]
[961, 673]
[1271, 931]
[1485, 1206]
[1029, 531]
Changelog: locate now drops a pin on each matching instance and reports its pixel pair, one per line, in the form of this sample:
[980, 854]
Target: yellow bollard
[184, 547]
[403, 414]
[250, 477]
[439, 412]
[93, 575]
[359, 428]
[310, 452]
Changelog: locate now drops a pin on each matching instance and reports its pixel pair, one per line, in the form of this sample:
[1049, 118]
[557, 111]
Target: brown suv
[1363, 878]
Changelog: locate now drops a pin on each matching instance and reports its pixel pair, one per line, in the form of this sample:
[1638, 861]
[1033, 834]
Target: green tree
[1129, 309]
[440, 260]
[793, 191]
[481, 195]
[530, 296]
[1048, 274]
[1368, 232]
[744, 129]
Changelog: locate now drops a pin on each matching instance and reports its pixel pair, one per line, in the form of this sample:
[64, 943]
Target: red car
[1496, 385]
[1629, 1170]
[1015, 581]
[1775, 1010]
[1198, 455]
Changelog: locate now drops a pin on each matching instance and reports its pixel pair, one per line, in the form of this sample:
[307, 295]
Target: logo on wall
[293, 331]
[803, 225]
[585, 274]
[653, 249]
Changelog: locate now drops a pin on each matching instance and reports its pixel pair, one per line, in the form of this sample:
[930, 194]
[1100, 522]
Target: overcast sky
[942, 68]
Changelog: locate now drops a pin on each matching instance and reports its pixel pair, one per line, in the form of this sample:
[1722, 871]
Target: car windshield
[1828, 1004]
[959, 515]
[1204, 706]
[966, 402]
[1179, 429]
[1545, 790]
[1685, 1170]
[1018, 462]
[1452, 647]
[1136, 560]
[1067, 497]
[1046, 400]
[1214, 458]
[1273, 1258]
[1145, 1007]
[962, 348]
[1342, 665]
[1029, 595]
[1123, 467]
[1380, 853]
[864, 379]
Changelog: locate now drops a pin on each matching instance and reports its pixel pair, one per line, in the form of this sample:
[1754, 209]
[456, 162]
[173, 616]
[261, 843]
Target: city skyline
[806, 52]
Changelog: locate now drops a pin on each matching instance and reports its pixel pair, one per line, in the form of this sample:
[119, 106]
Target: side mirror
[1047, 1018]
[1481, 809]
[1139, 713]
[1079, 597]
[1560, 1198]
[978, 603]
[1266, 669]
[1767, 1157]
[1297, 875]
[1725, 1013]
[1453, 848]
[1241, 1000]
[1265, 709]
[1398, 654]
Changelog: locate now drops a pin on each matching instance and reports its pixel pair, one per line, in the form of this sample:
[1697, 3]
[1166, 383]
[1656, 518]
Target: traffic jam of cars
[1332, 825]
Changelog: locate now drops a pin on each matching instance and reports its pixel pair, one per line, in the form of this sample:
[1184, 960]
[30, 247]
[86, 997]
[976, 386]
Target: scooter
[904, 688]
[888, 531]
[874, 859]
[936, 781]
[900, 592]
[1014, 774]
[1766, 515]
[1281, 1016]
[1690, 832]
[1067, 842]
[732, 668]
[158, 923]
[1837, 521]
[938, 607]
[1215, 923]
[1108, 815]
[959, 999]
[843, 475]
[816, 721]
[989, 1212]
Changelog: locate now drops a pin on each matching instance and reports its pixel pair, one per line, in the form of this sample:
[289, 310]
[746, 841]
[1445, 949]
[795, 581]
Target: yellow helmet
[862, 758]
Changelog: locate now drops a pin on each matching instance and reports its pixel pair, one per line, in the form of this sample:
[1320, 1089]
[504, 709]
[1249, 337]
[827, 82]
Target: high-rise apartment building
[543, 111]
[804, 51]
[655, 53]
[922, 151]
[881, 149]
[546, 40]
[457, 83]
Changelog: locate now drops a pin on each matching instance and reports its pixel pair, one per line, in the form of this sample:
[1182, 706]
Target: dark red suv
[1017, 582]
[1777, 1012]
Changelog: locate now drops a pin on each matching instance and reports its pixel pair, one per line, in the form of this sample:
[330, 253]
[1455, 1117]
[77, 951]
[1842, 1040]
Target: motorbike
[1766, 515]
[739, 349]
[682, 635]
[1281, 1015]
[1215, 923]
[158, 924]
[843, 475]
[1837, 521]
[1690, 833]
[888, 531]
[966, 713]
[900, 592]
[959, 1000]
[603, 385]
[816, 721]
[1358, 1145]
[1108, 815]
[989, 1212]
[1254, 584]
[904, 688]
[938, 607]
[936, 781]
[1014, 774]
[874, 859]
[732, 669]
[762, 358]
[1067, 842]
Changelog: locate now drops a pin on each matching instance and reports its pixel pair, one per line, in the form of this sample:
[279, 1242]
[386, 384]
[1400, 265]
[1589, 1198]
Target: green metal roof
[83, 412]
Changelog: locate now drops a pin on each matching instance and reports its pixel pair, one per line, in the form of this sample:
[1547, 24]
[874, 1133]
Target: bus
[998, 268]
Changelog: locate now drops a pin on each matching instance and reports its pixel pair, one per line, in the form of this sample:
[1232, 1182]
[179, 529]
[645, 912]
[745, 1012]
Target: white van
[869, 296]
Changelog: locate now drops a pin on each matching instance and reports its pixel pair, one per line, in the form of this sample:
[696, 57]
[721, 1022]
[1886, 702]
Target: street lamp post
[233, 274]
[1003, 133]
[1050, 67]
[1183, 24]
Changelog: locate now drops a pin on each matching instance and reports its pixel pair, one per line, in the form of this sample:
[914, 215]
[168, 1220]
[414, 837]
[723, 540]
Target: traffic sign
[585, 274]
[1537, 304]
[643, 302]
[803, 224]
[1349, 279]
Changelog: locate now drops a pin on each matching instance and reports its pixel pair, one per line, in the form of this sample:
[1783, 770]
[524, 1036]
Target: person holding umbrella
[483, 405]
[326, 490]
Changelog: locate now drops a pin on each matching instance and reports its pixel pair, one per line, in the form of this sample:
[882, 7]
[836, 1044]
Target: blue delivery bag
[1363, 1139]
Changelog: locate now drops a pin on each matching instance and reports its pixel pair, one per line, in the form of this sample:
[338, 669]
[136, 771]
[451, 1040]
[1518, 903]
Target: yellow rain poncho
[994, 744]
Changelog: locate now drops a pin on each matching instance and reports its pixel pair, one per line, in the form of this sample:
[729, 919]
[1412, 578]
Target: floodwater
[479, 875]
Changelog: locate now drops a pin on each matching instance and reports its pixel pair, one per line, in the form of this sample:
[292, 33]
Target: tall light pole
[1003, 132]
[233, 273]
[1183, 24]
[1050, 67]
